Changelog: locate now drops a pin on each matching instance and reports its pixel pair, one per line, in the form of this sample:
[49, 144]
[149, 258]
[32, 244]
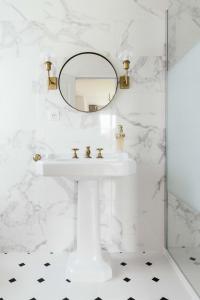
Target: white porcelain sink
[76, 169]
[87, 262]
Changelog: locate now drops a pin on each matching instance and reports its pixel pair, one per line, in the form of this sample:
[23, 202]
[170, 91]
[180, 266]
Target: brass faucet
[99, 155]
[75, 152]
[88, 152]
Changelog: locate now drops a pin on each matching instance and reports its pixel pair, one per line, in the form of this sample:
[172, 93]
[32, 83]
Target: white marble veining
[184, 17]
[183, 224]
[33, 209]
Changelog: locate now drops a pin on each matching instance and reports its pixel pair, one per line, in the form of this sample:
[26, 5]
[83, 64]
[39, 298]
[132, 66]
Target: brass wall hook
[37, 157]
[52, 80]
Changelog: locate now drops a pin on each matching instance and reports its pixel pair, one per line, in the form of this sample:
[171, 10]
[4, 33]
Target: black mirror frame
[81, 53]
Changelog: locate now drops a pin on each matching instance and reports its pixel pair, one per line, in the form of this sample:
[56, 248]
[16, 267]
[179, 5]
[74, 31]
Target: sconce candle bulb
[48, 65]
[126, 64]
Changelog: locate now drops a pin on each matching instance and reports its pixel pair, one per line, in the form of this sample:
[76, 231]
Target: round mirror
[88, 81]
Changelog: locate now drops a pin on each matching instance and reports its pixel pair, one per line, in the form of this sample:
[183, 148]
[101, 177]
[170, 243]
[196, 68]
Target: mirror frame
[93, 53]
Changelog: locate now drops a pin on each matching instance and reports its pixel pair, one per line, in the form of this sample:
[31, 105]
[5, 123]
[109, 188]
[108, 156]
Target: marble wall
[184, 223]
[39, 213]
[183, 28]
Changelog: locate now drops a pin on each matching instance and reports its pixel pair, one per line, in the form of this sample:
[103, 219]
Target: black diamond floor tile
[192, 258]
[149, 263]
[127, 279]
[131, 298]
[155, 279]
[123, 264]
[22, 264]
[1, 299]
[33, 299]
[65, 299]
[12, 280]
[47, 264]
[97, 298]
[68, 280]
[41, 280]
[163, 298]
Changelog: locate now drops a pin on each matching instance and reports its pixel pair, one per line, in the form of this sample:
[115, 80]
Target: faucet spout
[88, 152]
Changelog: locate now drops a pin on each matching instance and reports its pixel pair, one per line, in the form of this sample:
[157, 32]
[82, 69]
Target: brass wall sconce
[124, 81]
[52, 80]
[125, 57]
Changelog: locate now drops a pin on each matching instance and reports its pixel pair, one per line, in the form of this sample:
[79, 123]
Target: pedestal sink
[87, 262]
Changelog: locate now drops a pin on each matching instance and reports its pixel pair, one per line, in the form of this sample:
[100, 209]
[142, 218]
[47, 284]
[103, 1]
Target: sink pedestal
[87, 263]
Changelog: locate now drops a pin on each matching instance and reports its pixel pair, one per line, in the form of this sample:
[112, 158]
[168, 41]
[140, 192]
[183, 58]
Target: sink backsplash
[36, 212]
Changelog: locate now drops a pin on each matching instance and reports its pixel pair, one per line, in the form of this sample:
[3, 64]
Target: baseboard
[181, 276]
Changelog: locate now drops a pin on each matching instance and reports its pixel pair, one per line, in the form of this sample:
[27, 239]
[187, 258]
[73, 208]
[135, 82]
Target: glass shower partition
[183, 138]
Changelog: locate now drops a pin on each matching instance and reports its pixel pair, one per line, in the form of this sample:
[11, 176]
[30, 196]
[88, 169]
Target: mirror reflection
[88, 82]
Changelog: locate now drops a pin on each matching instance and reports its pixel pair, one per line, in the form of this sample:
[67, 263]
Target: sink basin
[113, 166]
[87, 262]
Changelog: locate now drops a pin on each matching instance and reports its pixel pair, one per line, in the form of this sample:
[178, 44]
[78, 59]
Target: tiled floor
[189, 261]
[42, 277]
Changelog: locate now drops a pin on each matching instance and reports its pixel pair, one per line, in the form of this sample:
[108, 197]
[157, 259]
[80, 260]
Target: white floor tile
[139, 284]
